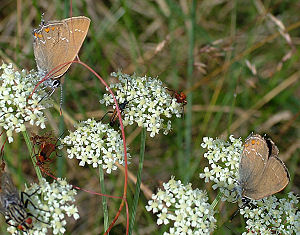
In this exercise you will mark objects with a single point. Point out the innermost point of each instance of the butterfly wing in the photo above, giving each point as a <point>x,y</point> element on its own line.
<point>252,163</point>
<point>50,46</point>
<point>58,42</point>
<point>275,176</point>
<point>78,28</point>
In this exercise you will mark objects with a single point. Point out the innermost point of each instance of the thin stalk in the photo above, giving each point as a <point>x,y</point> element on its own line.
<point>104,199</point>
<point>31,153</point>
<point>216,201</point>
<point>138,181</point>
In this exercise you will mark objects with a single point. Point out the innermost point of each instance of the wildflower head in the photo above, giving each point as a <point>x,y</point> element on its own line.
<point>96,144</point>
<point>15,108</point>
<point>187,209</point>
<point>147,102</point>
<point>223,158</point>
<point>271,215</point>
<point>52,203</point>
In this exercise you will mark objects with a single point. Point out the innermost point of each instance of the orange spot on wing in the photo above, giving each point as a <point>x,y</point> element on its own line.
<point>253,141</point>
<point>47,30</point>
<point>52,28</point>
<point>40,35</point>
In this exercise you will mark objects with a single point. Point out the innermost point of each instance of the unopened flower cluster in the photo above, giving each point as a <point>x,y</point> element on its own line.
<point>187,209</point>
<point>54,202</point>
<point>272,216</point>
<point>16,108</point>
<point>96,144</point>
<point>148,102</point>
<point>223,158</point>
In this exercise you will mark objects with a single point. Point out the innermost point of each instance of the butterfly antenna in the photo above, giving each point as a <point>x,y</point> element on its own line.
<point>61,99</point>
<point>42,19</point>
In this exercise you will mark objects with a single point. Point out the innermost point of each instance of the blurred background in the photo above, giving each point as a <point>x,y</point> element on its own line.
<point>237,62</point>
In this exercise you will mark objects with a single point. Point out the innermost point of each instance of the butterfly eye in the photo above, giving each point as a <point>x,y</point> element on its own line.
<point>56,83</point>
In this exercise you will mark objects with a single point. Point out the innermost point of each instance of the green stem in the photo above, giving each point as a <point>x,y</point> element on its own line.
<point>216,201</point>
<point>31,153</point>
<point>104,199</point>
<point>138,182</point>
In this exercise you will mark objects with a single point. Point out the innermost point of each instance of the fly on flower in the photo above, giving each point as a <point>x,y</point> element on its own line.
<point>14,207</point>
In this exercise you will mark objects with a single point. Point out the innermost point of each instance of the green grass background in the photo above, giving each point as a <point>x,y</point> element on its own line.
<point>200,47</point>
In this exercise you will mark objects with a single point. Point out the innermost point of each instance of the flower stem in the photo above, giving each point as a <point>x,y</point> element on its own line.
<point>216,201</point>
<point>138,181</point>
<point>104,199</point>
<point>31,153</point>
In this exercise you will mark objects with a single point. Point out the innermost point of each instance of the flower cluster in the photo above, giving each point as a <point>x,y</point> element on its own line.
<point>15,107</point>
<point>223,158</point>
<point>148,102</point>
<point>187,208</point>
<point>95,143</point>
<point>271,215</point>
<point>53,202</point>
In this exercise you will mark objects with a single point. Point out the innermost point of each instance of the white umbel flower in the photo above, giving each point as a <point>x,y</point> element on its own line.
<point>223,158</point>
<point>188,210</point>
<point>55,201</point>
<point>96,144</point>
<point>15,108</point>
<point>272,216</point>
<point>148,104</point>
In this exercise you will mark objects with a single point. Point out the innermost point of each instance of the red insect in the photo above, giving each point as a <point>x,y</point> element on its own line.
<point>180,97</point>
<point>47,145</point>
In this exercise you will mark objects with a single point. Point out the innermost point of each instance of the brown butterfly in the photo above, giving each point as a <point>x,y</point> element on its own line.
<point>58,42</point>
<point>261,172</point>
